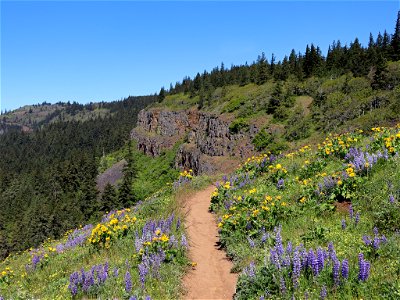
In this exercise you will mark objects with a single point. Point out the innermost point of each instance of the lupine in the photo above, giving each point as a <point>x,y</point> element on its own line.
<point>251,270</point>
<point>251,242</point>
<point>364,267</point>
<point>335,271</point>
<point>264,237</point>
<point>296,269</point>
<point>132,298</point>
<point>184,242</point>
<point>357,219</point>
<point>345,268</point>
<point>128,282</point>
<point>143,270</point>
<point>321,260</point>
<point>323,293</point>
<point>282,285</point>
<point>115,272</point>
<point>343,224</point>
<point>351,212</point>
<point>280,184</point>
<point>391,199</point>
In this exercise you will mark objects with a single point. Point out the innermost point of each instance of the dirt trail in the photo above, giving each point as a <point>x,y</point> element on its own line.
<point>211,278</point>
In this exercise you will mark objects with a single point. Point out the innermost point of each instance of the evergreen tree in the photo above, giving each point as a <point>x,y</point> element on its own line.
<point>161,95</point>
<point>109,199</point>
<point>262,69</point>
<point>396,40</point>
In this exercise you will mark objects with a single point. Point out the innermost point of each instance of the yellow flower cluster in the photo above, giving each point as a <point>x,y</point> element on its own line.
<point>276,168</point>
<point>256,159</point>
<point>104,233</point>
<point>187,174</point>
<point>215,193</point>
<point>7,271</point>
<point>337,143</point>
<point>350,171</point>
<point>298,152</point>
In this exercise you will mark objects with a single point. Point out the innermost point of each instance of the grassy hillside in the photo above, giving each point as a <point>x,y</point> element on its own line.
<point>321,222</point>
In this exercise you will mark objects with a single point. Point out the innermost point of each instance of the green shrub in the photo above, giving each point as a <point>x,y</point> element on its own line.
<point>238,125</point>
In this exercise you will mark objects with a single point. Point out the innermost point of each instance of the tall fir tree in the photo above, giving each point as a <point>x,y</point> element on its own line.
<point>396,40</point>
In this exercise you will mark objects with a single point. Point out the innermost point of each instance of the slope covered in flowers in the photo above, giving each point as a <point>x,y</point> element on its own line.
<point>134,253</point>
<point>318,223</point>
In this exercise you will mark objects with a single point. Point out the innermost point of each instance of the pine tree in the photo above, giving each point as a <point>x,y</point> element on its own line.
<point>161,95</point>
<point>396,40</point>
<point>262,69</point>
<point>109,200</point>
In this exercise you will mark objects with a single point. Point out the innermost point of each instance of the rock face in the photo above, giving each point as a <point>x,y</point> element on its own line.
<point>205,137</point>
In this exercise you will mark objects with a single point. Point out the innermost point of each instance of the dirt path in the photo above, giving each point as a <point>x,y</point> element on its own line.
<point>211,278</point>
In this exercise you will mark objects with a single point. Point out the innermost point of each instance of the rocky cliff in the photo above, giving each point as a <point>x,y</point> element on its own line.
<point>208,142</point>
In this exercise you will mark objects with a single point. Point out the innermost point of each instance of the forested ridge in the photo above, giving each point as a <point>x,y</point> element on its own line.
<point>47,177</point>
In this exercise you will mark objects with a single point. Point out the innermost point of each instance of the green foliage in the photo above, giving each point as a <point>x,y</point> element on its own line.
<point>238,125</point>
<point>262,140</point>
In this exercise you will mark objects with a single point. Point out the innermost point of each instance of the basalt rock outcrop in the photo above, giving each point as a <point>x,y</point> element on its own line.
<point>205,138</point>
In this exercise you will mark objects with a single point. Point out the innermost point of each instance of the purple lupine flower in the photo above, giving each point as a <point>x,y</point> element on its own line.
<point>282,285</point>
<point>331,250</point>
<point>343,224</point>
<point>173,242</point>
<point>178,224</point>
<point>275,258</point>
<point>315,265</point>
<point>383,238</point>
<point>261,298</point>
<point>73,283</point>
<point>251,242</point>
<point>280,184</point>
<point>128,282</point>
<point>132,298</point>
<point>375,230</point>
<point>345,268</point>
<point>391,199</point>
<point>35,261</point>
<point>289,248</point>
<point>89,280</point>
<point>367,240</point>
<point>143,270</point>
<point>357,219</point>
<point>251,270</point>
<point>115,272</point>
<point>278,241</point>
<point>147,298</point>
<point>321,259</point>
<point>323,293</point>
<point>184,242</point>
<point>351,212</point>
<point>335,271</point>
<point>296,269</point>
<point>364,268</point>
<point>264,237</point>
<point>376,242</point>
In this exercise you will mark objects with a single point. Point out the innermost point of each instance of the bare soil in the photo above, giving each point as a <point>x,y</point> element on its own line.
<point>211,278</point>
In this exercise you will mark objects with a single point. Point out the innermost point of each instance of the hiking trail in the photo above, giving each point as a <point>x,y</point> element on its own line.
<point>211,278</point>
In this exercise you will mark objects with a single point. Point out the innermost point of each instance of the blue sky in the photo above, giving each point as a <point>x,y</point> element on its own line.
<point>106,50</point>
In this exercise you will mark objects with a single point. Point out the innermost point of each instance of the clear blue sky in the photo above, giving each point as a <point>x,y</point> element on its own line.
<point>93,51</point>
